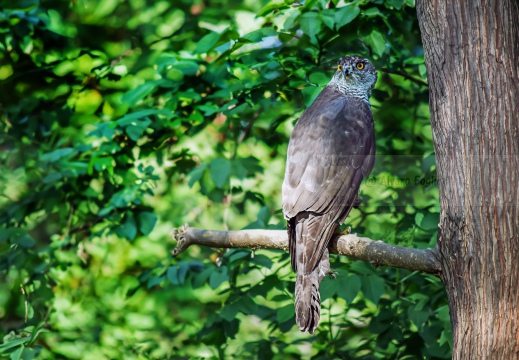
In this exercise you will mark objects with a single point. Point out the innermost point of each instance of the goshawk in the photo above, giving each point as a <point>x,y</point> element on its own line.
<point>332,148</point>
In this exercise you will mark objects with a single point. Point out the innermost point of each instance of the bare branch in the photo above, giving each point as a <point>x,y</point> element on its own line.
<point>376,252</point>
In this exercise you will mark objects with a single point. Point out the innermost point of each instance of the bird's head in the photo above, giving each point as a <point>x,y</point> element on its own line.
<point>355,76</point>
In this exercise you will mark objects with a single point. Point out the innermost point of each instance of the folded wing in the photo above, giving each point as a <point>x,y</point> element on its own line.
<point>330,151</point>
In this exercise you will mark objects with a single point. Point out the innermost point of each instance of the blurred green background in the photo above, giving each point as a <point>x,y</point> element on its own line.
<point>121,120</point>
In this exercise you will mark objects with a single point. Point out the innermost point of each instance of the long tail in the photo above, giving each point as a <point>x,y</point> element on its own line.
<point>308,300</point>
<point>308,240</point>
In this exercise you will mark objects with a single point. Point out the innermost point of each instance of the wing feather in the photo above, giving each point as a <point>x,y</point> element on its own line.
<point>331,149</point>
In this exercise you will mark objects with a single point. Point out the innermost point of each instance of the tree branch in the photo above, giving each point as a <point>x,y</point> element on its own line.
<point>407,76</point>
<point>376,252</point>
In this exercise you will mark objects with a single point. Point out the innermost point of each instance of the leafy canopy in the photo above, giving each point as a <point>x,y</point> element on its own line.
<point>123,119</point>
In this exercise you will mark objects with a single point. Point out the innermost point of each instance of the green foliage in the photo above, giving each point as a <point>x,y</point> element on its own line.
<point>120,120</point>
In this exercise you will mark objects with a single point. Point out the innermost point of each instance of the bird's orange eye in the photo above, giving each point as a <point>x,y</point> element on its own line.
<point>339,68</point>
<point>360,65</point>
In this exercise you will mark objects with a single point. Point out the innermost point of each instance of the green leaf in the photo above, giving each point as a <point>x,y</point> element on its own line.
<point>128,229</point>
<point>246,167</point>
<point>396,4</point>
<point>229,312</point>
<point>319,78</point>
<point>176,274</point>
<point>377,43</point>
<point>230,328</point>
<point>371,12</point>
<point>172,275</point>
<point>146,221</point>
<point>418,317</point>
<point>124,197</point>
<point>175,75</point>
<point>309,94</point>
<point>246,305</point>
<point>23,353</point>
<point>187,67</point>
<point>201,278</point>
<point>25,241</point>
<point>423,71</point>
<point>107,210</point>
<point>444,314</point>
<point>207,42</point>
<point>154,281</point>
<point>182,272</point>
<point>262,261</point>
<point>106,130</point>
<point>373,287</point>
<point>196,174</point>
<point>196,266</point>
<point>132,97</point>
<point>264,214</point>
<point>265,350</point>
<point>271,6</point>
<point>446,338</point>
<point>136,130</point>
<point>129,119</point>
<point>362,267</point>
<point>401,144</point>
<point>258,35</point>
<point>349,287</point>
<point>418,218</point>
<point>346,14</point>
<point>55,155</point>
<point>414,60</point>
<point>271,70</point>
<point>310,23</point>
<point>208,109</point>
<point>420,300</point>
<point>328,288</point>
<point>13,343</point>
<point>382,322</point>
<point>237,254</point>
<point>289,23</point>
<point>220,170</point>
<point>430,221</point>
<point>328,18</point>
<point>258,224</point>
<point>285,313</point>
<point>218,277</point>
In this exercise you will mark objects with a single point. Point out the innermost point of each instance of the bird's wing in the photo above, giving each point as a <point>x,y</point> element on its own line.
<point>331,149</point>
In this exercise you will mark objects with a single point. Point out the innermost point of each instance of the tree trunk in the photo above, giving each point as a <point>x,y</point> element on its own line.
<point>472,57</point>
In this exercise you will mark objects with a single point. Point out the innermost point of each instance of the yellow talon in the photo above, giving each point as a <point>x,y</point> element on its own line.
<point>346,231</point>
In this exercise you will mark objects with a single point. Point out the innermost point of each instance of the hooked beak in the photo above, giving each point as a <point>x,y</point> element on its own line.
<point>347,71</point>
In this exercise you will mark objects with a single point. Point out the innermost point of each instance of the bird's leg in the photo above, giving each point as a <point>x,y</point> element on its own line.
<point>324,267</point>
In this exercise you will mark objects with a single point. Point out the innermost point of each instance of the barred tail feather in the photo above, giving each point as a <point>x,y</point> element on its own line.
<point>308,300</point>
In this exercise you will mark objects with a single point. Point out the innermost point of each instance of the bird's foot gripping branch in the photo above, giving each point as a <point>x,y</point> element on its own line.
<point>376,252</point>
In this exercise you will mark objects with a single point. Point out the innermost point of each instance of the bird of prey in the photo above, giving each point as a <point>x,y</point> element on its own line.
<point>331,149</point>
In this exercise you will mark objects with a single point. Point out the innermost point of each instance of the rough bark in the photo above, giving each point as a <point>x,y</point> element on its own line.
<point>376,252</point>
<point>472,57</point>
